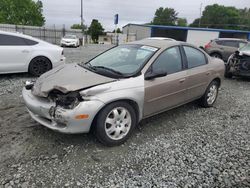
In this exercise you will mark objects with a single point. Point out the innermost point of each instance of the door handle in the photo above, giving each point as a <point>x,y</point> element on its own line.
<point>25,51</point>
<point>182,80</point>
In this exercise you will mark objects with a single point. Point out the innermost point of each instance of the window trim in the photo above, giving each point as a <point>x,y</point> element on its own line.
<point>182,60</point>
<point>206,58</point>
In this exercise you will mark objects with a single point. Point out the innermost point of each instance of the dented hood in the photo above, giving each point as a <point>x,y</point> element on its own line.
<point>66,78</point>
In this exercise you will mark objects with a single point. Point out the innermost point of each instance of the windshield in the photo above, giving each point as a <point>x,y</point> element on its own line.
<point>70,37</point>
<point>246,47</point>
<point>124,60</point>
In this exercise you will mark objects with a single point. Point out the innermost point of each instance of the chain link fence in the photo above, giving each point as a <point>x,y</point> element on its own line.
<point>51,35</point>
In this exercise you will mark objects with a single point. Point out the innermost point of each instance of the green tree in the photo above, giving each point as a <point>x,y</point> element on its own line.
<point>219,16</point>
<point>165,16</point>
<point>117,31</point>
<point>182,22</point>
<point>222,17</point>
<point>195,23</point>
<point>21,12</point>
<point>95,29</point>
<point>78,26</point>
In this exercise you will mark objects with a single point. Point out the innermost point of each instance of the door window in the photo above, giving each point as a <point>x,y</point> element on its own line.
<point>195,57</point>
<point>9,40</point>
<point>169,61</point>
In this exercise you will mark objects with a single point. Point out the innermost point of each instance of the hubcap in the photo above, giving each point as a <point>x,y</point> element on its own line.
<point>212,94</point>
<point>118,123</point>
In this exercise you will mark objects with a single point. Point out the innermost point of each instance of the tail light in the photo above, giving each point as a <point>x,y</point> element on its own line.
<point>208,45</point>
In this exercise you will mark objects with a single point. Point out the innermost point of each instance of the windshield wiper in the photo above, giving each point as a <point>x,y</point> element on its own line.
<point>108,69</point>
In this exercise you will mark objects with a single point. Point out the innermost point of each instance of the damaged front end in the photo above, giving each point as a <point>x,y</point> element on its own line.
<point>238,65</point>
<point>69,112</point>
<point>67,101</point>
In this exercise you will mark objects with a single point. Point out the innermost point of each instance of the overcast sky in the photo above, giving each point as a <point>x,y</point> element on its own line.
<point>67,12</point>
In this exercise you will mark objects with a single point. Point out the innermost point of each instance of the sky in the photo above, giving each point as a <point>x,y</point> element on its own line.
<point>67,12</point>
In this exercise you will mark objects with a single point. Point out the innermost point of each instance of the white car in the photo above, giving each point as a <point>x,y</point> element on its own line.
<point>70,40</point>
<point>23,53</point>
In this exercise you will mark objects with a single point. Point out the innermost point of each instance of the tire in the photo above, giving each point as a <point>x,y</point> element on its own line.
<point>227,74</point>
<point>39,65</point>
<point>210,96</point>
<point>112,127</point>
<point>216,55</point>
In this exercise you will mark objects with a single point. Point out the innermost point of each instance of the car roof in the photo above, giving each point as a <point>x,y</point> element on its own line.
<point>236,39</point>
<point>18,35</point>
<point>158,43</point>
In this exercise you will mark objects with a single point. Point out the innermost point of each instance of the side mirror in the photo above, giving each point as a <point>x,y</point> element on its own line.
<point>155,74</point>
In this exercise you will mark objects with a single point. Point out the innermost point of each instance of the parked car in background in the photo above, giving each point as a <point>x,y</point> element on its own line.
<point>70,41</point>
<point>224,47</point>
<point>238,63</point>
<point>23,53</point>
<point>117,89</point>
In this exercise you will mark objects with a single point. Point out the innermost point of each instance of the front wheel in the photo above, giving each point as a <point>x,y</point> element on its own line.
<point>227,73</point>
<point>115,123</point>
<point>211,94</point>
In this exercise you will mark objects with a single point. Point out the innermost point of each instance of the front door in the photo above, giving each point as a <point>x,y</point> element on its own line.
<point>166,92</point>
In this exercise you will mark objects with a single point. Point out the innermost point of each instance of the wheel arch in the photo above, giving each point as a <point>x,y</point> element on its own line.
<point>131,102</point>
<point>38,57</point>
<point>218,80</point>
<point>216,52</point>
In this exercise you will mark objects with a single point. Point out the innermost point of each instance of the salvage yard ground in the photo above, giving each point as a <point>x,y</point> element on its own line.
<point>185,147</point>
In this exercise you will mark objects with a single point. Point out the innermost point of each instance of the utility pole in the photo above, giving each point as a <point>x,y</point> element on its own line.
<point>82,26</point>
<point>81,15</point>
<point>200,15</point>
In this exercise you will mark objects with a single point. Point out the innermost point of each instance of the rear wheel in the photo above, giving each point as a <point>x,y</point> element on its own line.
<point>216,55</point>
<point>115,123</point>
<point>39,65</point>
<point>210,96</point>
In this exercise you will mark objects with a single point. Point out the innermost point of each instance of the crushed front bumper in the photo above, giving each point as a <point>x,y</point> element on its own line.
<point>59,119</point>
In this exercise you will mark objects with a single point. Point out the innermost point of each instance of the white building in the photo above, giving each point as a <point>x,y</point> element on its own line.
<point>196,36</point>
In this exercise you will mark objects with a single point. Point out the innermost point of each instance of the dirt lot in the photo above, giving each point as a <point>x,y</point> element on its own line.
<point>185,147</point>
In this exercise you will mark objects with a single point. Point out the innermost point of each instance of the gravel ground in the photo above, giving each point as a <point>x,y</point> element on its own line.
<point>185,147</point>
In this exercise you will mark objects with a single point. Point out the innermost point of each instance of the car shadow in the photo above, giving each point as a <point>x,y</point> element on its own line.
<point>16,75</point>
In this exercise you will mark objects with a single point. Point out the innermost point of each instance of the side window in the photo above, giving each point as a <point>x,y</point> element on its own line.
<point>195,57</point>
<point>9,40</point>
<point>219,42</point>
<point>231,43</point>
<point>30,42</point>
<point>170,60</point>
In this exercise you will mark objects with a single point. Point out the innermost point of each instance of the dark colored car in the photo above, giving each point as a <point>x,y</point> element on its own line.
<point>238,63</point>
<point>224,47</point>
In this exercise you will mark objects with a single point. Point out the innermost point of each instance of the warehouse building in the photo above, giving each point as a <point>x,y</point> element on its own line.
<point>196,36</point>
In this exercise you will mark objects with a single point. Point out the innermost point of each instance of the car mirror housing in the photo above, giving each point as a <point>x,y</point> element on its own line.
<point>155,74</point>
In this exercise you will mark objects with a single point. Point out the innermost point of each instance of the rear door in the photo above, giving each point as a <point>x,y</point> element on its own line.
<point>230,47</point>
<point>198,72</point>
<point>168,91</point>
<point>14,53</point>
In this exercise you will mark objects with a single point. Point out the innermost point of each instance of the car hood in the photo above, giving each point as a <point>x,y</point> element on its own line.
<point>244,53</point>
<point>66,78</point>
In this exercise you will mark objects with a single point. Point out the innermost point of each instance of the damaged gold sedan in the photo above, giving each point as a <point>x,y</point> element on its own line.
<point>114,91</point>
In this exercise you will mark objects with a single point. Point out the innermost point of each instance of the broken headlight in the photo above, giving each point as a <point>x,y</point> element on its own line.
<point>67,101</point>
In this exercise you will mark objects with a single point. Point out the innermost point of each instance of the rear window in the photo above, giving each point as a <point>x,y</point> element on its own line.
<point>9,40</point>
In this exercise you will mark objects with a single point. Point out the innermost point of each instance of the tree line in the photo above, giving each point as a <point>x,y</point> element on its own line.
<point>213,16</point>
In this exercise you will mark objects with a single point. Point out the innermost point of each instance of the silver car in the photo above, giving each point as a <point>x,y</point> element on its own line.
<point>114,91</point>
